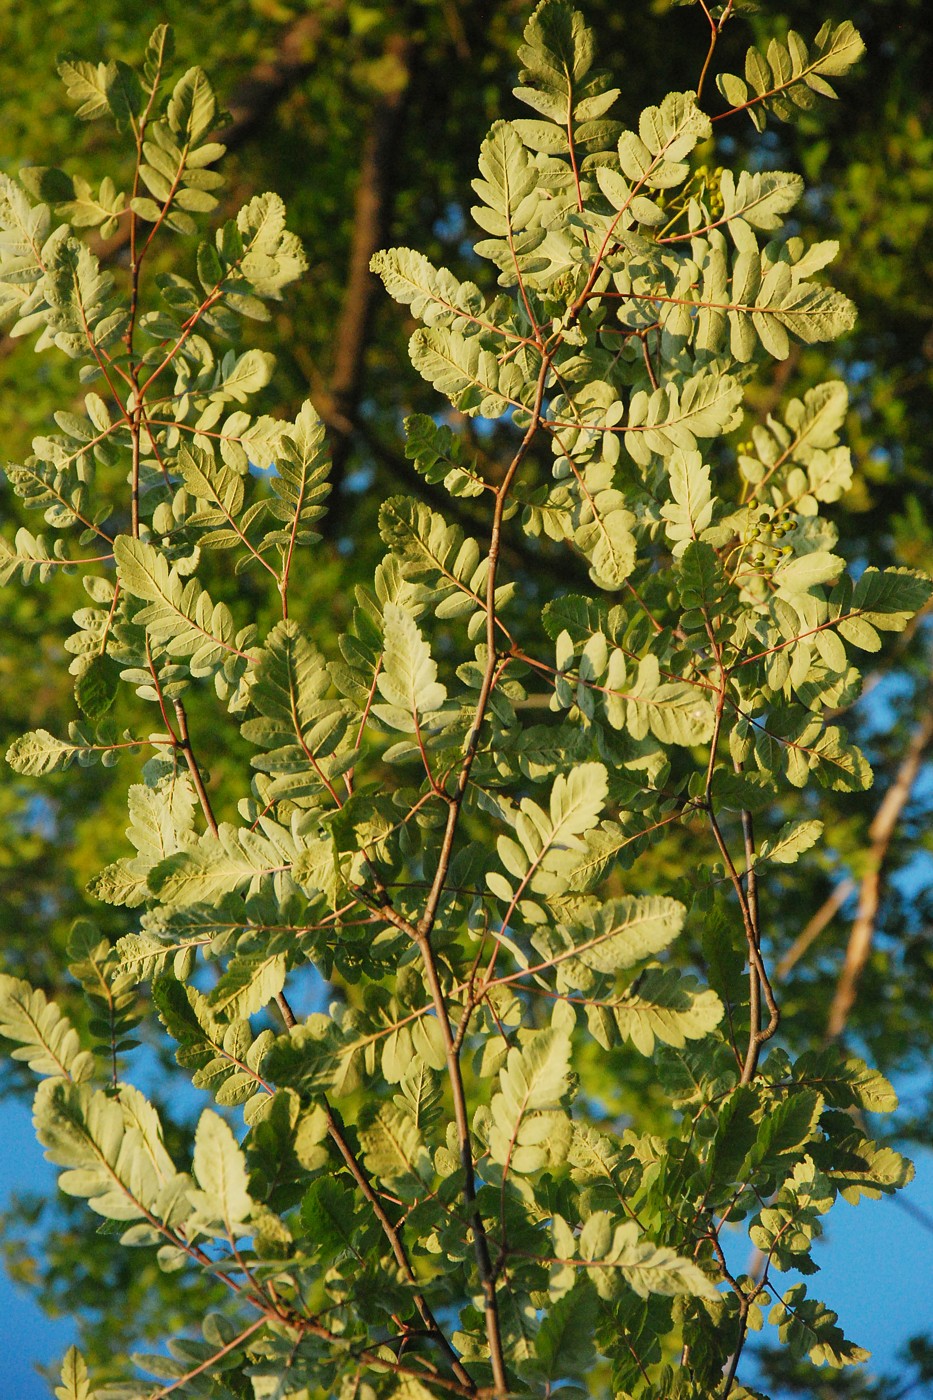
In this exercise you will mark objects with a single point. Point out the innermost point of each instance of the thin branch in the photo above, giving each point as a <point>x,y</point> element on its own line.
<point>747,894</point>
<point>751,895</point>
<point>288,1015</point>
<point>880,834</point>
<point>391,1232</point>
<point>372,215</point>
<point>216,1356</point>
<point>495,542</point>
<point>729,1378</point>
<point>184,743</point>
<point>814,927</point>
<point>758,981</point>
<point>758,984</point>
<point>713,37</point>
<point>426,923</point>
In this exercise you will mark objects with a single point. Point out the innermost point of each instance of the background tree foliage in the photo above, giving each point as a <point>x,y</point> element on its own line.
<point>413,89</point>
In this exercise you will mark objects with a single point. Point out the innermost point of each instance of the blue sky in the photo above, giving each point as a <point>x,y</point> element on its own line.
<point>27,1335</point>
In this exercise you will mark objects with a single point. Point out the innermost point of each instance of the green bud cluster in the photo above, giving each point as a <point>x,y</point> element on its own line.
<point>709,179</point>
<point>766,528</point>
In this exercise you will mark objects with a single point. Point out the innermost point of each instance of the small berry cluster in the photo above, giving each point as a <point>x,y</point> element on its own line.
<point>708,178</point>
<point>766,528</point>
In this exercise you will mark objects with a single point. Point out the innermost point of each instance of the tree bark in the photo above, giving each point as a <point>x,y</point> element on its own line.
<point>372,216</point>
<point>880,834</point>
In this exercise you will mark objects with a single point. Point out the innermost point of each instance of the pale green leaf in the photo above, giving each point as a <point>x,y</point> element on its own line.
<point>805,571</point>
<point>220,1171</point>
<point>666,1007</point>
<point>247,984</point>
<point>192,108</point>
<point>809,1328</point>
<point>793,839</point>
<point>44,1037</point>
<point>408,679</point>
<point>119,1166</point>
<point>394,1151</point>
<point>623,932</point>
<point>690,511</point>
<point>529,1129</point>
<point>75,1384</point>
<point>647,1267</point>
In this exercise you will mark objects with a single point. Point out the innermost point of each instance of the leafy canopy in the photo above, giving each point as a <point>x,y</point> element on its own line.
<point>449,810</point>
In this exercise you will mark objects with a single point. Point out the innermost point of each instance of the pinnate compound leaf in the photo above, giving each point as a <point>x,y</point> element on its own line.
<point>75,1383</point>
<point>86,84</point>
<point>180,614</point>
<point>786,1228</point>
<point>676,712</point>
<point>784,1129</point>
<point>408,680</point>
<point>271,256</point>
<point>30,555</point>
<point>761,198</point>
<point>889,598</point>
<point>192,108</point>
<point>789,845</point>
<point>461,368</point>
<point>162,822</point>
<point>674,128</point>
<point>220,1171</point>
<point>577,798</point>
<point>434,294</point>
<point>860,1167</point>
<point>557,57</point>
<point>838,764</point>
<point>791,76</point>
<point>221,864</point>
<point>43,1035</point>
<point>300,722</point>
<point>248,983</point>
<point>666,134</point>
<point>672,416</point>
<point>440,456</point>
<point>625,931</point>
<point>221,1055</point>
<point>607,541</point>
<point>529,1127</point>
<point>300,485</point>
<point>667,1007</point>
<point>549,843</point>
<point>690,511</point>
<point>509,184</point>
<point>111,1147</point>
<point>395,1153</point>
<point>447,568</point>
<point>805,571</point>
<point>40,752</point>
<point>650,1268</point>
<point>625,1254</point>
<point>845,1083</point>
<point>809,1328</point>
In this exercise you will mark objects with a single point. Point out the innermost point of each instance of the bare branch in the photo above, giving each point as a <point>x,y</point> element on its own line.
<point>880,834</point>
<point>811,932</point>
<point>373,207</point>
